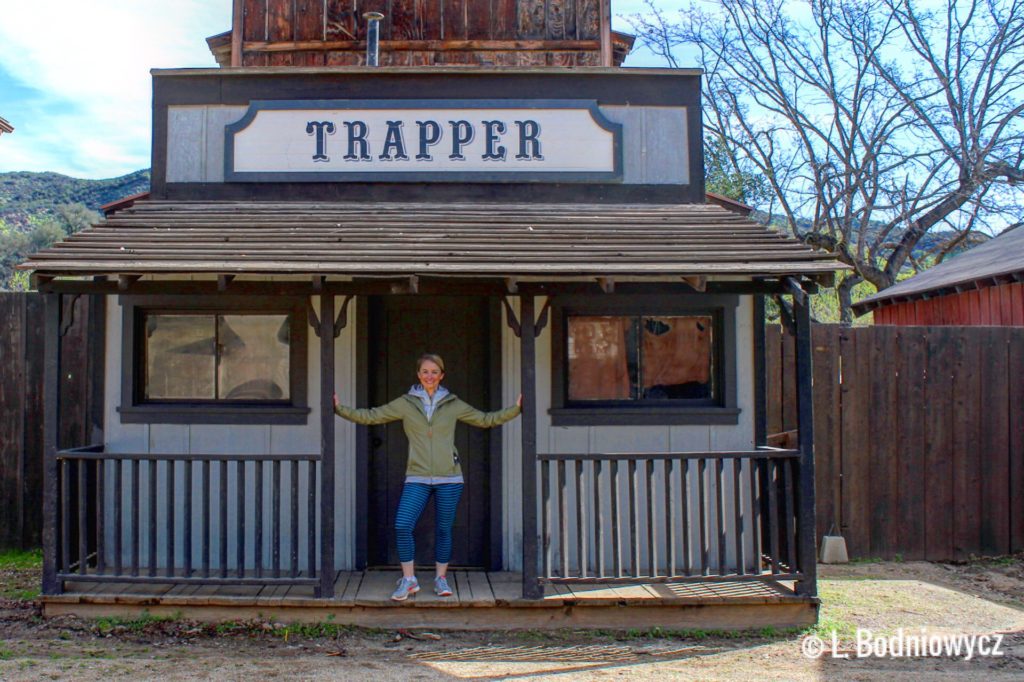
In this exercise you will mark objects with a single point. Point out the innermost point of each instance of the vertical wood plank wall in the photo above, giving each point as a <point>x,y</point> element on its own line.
<point>21,409</point>
<point>1001,305</point>
<point>919,436</point>
<point>460,24</point>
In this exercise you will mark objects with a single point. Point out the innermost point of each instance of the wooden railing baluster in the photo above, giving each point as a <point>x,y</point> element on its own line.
<point>545,514</point>
<point>151,479</point>
<point>702,508</point>
<point>275,482</point>
<point>311,518</point>
<point>204,514</point>
<point>581,522</point>
<point>789,513</point>
<point>616,535</point>
<point>101,541</point>
<point>755,515</point>
<point>598,520</point>
<point>171,472</point>
<point>222,517</point>
<point>634,497</point>
<point>563,530</point>
<point>773,515</point>
<point>720,514</point>
<point>258,539</point>
<point>685,499</point>
<point>83,516</point>
<point>240,539</point>
<point>738,524</point>
<point>293,476</point>
<point>652,552</point>
<point>135,504</point>
<point>670,531</point>
<point>186,538</point>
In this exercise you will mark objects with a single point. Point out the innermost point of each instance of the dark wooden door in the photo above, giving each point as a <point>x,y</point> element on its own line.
<point>401,328</point>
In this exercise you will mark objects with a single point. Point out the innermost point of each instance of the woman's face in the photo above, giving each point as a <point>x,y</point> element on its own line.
<point>430,375</point>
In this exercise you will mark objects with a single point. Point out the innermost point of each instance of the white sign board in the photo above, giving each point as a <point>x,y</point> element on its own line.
<point>423,141</point>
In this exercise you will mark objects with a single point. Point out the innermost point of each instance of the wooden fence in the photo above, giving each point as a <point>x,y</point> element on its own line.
<point>918,433</point>
<point>21,407</point>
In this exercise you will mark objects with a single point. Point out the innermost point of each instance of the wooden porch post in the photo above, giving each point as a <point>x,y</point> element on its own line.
<point>528,362</point>
<point>807,556</point>
<point>51,439</point>
<point>326,587</point>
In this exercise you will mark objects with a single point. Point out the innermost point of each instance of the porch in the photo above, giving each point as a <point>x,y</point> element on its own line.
<point>481,600</point>
<point>188,508</point>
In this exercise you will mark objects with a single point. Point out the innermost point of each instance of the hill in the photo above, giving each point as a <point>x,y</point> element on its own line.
<point>27,197</point>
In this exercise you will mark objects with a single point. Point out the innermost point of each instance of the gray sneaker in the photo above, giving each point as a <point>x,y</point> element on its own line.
<point>406,586</point>
<point>441,588</point>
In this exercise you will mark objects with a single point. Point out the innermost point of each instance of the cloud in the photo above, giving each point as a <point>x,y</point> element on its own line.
<point>78,90</point>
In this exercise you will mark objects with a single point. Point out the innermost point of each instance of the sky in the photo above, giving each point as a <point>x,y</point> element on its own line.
<point>78,90</point>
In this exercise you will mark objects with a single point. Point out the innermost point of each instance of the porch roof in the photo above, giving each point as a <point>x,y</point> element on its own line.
<point>470,239</point>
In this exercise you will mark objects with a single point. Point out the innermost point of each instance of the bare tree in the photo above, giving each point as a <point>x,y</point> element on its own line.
<point>873,122</point>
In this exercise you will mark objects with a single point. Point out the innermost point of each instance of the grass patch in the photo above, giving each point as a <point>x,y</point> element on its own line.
<point>21,560</point>
<point>6,654</point>
<point>107,625</point>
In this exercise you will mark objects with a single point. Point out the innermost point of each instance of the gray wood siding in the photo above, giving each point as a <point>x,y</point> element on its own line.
<point>165,438</point>
<point>260,439</point>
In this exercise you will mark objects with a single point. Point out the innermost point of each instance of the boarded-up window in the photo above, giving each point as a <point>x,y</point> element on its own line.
<point>217,357</point>
<point>640,357</point>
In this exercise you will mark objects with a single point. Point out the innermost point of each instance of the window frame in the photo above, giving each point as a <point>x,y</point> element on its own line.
<point>724,410</point>
<point>134,409</point>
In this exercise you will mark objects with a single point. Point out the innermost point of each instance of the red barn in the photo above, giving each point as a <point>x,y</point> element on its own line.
<point>984,286</point>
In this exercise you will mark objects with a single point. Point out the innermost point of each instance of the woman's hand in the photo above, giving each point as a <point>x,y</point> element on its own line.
<point>519,401</point>
<point>336,401</point>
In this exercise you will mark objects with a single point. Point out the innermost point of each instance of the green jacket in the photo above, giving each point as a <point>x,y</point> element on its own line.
<point>431,443</point>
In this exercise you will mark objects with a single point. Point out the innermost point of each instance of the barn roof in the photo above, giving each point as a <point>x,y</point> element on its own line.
<point>442,239</point>
<point>1001,258</point>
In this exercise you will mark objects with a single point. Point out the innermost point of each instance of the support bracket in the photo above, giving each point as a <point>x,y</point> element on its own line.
<point>342,320</point>
<point>542,319</point>
<point>314,319</point>
<point>510,318</point>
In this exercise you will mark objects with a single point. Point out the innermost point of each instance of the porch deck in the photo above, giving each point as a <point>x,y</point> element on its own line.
<point>481,600</point>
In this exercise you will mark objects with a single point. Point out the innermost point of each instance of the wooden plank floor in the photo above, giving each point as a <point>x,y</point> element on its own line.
<point>485,600</point>
<point>478,589</point>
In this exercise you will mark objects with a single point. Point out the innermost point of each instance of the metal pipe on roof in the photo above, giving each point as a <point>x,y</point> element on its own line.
<point>373,37</point>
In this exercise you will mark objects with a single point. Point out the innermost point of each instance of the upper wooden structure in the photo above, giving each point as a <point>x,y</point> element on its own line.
<point>474,32</point>
<point>984,286</point>
<point>5,127</point>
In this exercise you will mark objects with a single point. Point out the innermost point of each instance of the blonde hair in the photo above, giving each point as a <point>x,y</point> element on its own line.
<point>430,357</point>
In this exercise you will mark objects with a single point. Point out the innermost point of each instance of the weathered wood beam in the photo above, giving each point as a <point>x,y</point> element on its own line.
<point>318,283</point>
<point>410,285</point>
<point>327,425</point>
<point>805,497</point>
<point>797,291</point>
<point>532,588</point>
<point>826,279</point>
<point>51,438</point>
<point>237,15</point>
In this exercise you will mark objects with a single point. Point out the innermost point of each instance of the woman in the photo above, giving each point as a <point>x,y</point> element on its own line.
<point>429,414</point>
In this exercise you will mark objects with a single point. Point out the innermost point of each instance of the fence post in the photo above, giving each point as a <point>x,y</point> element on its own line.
<point>51,437</point>
<point>807,554</point>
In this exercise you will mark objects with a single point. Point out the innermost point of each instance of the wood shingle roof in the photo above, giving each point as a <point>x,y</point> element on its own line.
<point>561,240</point>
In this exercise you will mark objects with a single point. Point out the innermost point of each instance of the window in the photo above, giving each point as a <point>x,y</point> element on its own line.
<point>222,360</point>
<point>642,360</point>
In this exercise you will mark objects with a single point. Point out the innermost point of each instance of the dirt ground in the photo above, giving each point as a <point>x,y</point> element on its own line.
<point>977,598</point>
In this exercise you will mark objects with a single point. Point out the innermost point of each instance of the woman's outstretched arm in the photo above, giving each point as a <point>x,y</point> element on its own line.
<point>486,420</point>
<point>373,415</point>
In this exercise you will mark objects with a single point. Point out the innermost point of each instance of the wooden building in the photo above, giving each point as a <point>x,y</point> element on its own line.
<point>5,127</point>
<point>982,286</point>
<point>313,229</point>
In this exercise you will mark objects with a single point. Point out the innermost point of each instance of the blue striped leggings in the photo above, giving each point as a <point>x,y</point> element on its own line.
<point>414,500</point>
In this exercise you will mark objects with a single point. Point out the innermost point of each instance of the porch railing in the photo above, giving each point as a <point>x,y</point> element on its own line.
<point>186,518</point>
<point>671,517</point>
